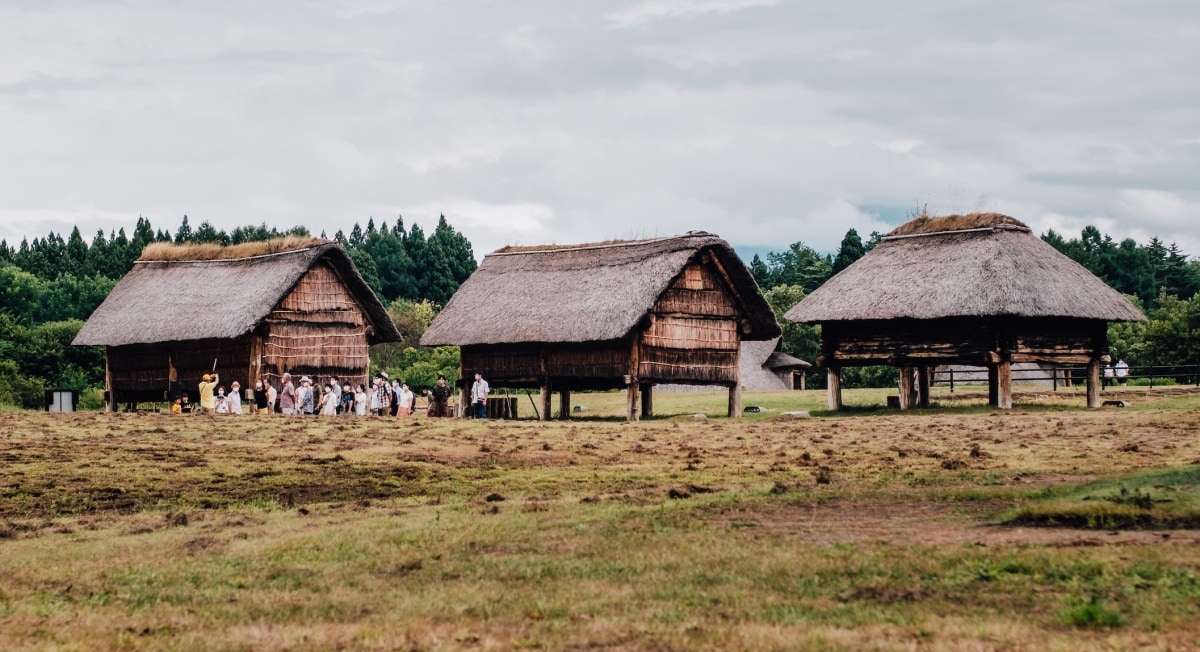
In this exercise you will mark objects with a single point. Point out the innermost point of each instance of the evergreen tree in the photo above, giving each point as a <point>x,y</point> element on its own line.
<point>184,234</point>
<point>75,261</point>
<point>762,275</point>
<point>356,236</point>
<point>209,233</point>
<point>850,250</point>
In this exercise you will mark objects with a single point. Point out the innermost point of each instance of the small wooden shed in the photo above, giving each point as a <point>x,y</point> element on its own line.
<point>296,305</point>
<point>611,315</point>
<point>976,289</point>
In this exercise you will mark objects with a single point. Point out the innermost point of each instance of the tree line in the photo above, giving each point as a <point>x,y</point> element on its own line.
<point>52,284</point>
<point>1159,278</point>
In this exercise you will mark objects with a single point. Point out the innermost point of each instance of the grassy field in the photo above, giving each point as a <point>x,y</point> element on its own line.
<point>869,530</point>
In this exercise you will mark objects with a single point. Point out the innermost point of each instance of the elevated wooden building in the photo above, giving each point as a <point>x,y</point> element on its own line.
<point>607,316</point>
<point>262,309</point>
<point>976,289</point>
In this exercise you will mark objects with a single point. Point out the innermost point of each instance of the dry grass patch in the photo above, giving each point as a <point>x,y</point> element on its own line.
<point>144,532</point>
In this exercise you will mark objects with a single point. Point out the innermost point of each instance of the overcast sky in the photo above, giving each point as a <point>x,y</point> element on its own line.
<point>766,122</point>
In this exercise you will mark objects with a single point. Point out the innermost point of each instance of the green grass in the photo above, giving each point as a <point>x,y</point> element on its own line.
<point>1165,498</point>
<point>157,531</point>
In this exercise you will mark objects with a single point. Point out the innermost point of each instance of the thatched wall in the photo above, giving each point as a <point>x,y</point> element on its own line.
<point>593,365</point>
<point>962,340</point>
<point>693,335</point>
<point>158,371</point>
<point>316,330</point>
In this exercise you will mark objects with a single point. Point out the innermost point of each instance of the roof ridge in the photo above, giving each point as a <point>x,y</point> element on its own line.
<point>603,245</point>
<point>230,260</point>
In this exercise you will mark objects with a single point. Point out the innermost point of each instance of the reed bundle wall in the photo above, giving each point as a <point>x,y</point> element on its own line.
<point>693,335</point>
<point>979,341</point>
<point>154,372</point>
<point>316,330</point>
<point>139,368</point>
<point>592,365</point>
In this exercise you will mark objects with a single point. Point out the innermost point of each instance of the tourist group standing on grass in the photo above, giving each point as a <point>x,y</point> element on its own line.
<point>385,398</point>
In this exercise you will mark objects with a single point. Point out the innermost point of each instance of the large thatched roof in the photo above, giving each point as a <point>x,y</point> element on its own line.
<point>180,294</point>
<point>980,265</point>
<point>583,293</point>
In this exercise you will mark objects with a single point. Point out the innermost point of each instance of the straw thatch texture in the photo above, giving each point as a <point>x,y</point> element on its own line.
<point>760,368</point>
<point>963,266</point>
<point>587,293</point>
<point>173,299</point>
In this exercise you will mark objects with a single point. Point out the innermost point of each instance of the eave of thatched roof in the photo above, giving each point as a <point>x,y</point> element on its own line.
<point>983,265</point>
<point>171,299</point>
<point>583,293</point>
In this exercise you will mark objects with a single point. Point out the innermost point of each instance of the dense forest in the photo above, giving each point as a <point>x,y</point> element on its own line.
<point>1159,278</point>
<point>51,285</point>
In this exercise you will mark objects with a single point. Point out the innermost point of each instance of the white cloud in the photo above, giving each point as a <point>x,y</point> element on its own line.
<point>767,123</point>
<point>1160,209</point>
<point>645,12</point>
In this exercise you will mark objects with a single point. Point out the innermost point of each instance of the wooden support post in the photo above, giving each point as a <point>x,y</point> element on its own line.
<point>993,386</point>
<point>564,404</point>
<point>906,388</point>
<point>1093,384</point>
<point>924,374</point>
<point>735,401</point>
<point>111,404</point>
<point>544,401</point>
<point>803,374</point>
<point>631,394</point>
<point>834,389</point>
<point>464,403</point>
<point>647,400</point>
<point>1004,385</point>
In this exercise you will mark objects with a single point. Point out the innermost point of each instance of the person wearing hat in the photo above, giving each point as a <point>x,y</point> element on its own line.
<point>305,401</point>
<point>234,398</point>
<point>208,383</point>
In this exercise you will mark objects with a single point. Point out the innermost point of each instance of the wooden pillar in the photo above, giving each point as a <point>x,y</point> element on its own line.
<point>735,401</point>
<point>803,374</point>
<point>544,400</point>
<point>111,404</point>
<point>906,388</point>
<point>631,395</point>
<point>1004,385</point>
<point>993,386</point>
<point>834,391</point>
<point>564,404</point>
<point>924,374</point>
<point>1093,383</point>
<point>647,400</point>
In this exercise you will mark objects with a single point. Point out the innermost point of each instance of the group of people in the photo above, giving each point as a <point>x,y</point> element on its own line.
<point>1120,371</point>
<point>387,397</point>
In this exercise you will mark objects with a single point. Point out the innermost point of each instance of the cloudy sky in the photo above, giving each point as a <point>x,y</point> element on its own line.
<point>765,121</point>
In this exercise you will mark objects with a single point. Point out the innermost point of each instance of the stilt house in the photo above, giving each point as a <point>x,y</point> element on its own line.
<point>607,316</point>
<point>976,289</point>
<point>296,305</point>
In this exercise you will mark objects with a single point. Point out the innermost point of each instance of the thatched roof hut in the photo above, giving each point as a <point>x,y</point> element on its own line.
<point>296,305</point>
<point>975,289</point>
<point>607,315</point>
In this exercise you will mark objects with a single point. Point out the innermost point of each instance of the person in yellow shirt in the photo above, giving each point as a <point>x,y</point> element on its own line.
<point>207,384</point>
